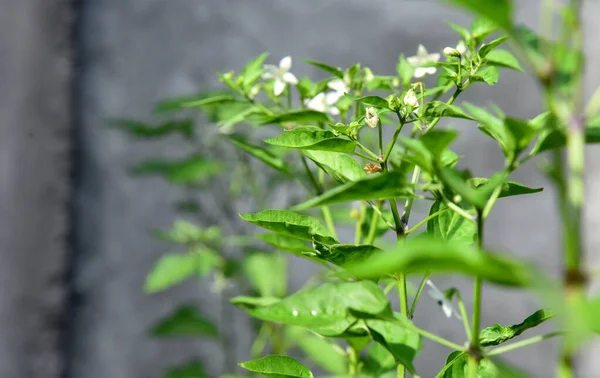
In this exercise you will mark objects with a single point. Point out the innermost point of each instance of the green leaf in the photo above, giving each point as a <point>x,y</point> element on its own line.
<point>481,28</point>
<point>488,75</point>
<point>522,133</point>
<point>192,170</point>
<point>197,101</point>
<point>313,138</point>
<point>379,360</point>
<point>322,352</point>
<point>342,254</point>
<point>291,224</point>
<point>456,365</point>
<point>477,197</point>
<point>555,138</point>
<point>299,116</point>
<point>267,273</point>
<point>184,232</point>
<point>509,188</point>
<point>171,269</point>
<point>276,366</point>
<point>376,101</point>
<point>285,243</point>
<point>253,70</point>
<point>405,70</point>
<point>332,70</point>
<point>438,141</point>
<point>498,334</point>
<point>250,303</point>
<point>493,127</point>
<point>398,337</point>
<point>325,309</point>
<point>498,11</point>
<point>192,369</point>
<point>373,187</point>
<point>486,48</point>
<point>185,322</point>
<point>263,155</point>
<point>339,166</point>
<point>437,109</point>
<point>144,130</point>
<point>464,33</point>
<point>503,58</point>
<point>426,254</point>
<point>450,225</point>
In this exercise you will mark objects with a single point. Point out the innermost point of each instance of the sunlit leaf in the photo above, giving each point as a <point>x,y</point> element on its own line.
<point>278,367</point>
<point>503,58</point>
<point>450,225</point>
<point>312,138</point>
<point>498,334</point>
<point>339,166</point>
<point>440,109</point>
<point>299,116</point>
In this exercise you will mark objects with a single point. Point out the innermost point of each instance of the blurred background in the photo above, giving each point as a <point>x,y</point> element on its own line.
<point>75,245</point>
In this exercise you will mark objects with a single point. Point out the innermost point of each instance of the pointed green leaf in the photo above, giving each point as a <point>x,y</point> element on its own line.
<point>450,225</point>
<point>250,303</point>
<point>488,75</point>
<point>426,254</point>
<point>171,269</point>
<point>498,334</point>
<point>253,70</point>
<point>299,116</point>
<point>185,322</point>
<point>273,284</point>
<point>144,130</point>
<point>498,11</point>
<point>192,369</point>
<point>555,138</point>
<point>376,101</point>
<point>313,138</point>
<point>521,132</point>
<point>192,170</point>
<point>477,197</point>
<point>216,100</point>
<point>464,33</point>
<point>493,127</point>
<point>481,28</point>
<point>184,232</point>
<point>276,366</point>
<point>487,47</point>
<point>263,155</point>
<point>503,58</point>
<point>291,224</point>
<point>373,187</point>
<point>321,351</point>
<point>509,188</point>
<point>197,101</point>
<point>379,360</point>
<point>342,254</point>
<point>438,141</point>
<point>339,166</point>
<point>325,309</point>
<point>437,109</point>
<point>398,337</point>
<point>327,68</point>
<point>285,243</point>
<point>456,367</point>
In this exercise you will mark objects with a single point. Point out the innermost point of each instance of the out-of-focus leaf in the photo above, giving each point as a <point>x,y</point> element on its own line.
<point>192,170</point>
<point>263,155</point>
<point>144,130</point>
<point>185,322</point>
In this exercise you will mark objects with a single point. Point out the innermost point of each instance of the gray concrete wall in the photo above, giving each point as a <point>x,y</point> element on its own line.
<point>35,126</point>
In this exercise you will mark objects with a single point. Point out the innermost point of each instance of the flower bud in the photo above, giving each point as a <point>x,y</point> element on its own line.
<point>449,51</point>
<point>394,102</point>
<point>410,99</point>
<point>371,117</point>
<point>461,48</point>
<point>368,75</point>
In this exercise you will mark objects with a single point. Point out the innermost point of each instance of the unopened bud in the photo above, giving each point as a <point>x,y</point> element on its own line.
<point>410,99</point>
<point>461,48</point>
<point>457,198</point>
<point>394,102</point>
<point>368,75</point>
<point>371,117</point>
<point>449,51</point>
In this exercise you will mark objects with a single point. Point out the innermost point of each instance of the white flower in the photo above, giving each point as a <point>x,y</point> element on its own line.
<point>422,58</point>
<point>324,103</point>
<point>281,74</point>
<point>371,117</point>
<point>339,87</point>
<point>441,299</point>
<point>410,99</point>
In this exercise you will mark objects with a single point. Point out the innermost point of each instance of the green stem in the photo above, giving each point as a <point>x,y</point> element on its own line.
<point>413,308</point>
<point>325,209</point>
<point>475,347</point>
<point>438,339</point>
<point>373,225</point>
<point>430,217</point>
<point>353,363</point>
<point>522,343</point>
<point>402,294</point>
<point>442,372</point>
<point>310,175</point>
<point>380,129</point>
<point>359,223</point>
<point>258,346</point>
<point>367,151</point>
<point>390,146</point>
<point>464,315</point>
<point>366,157</point>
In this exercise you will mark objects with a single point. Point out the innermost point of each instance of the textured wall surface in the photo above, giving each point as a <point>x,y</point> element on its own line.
<point>138,51</point>
<point>34,184</point>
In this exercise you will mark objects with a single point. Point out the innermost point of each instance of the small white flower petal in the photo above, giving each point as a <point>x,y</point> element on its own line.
<point>334,111</point>
<point>268,75</point>
<point>338,85</point>
<point>430,70</point>
<point>279,87</point>
<point>433,58</point>
<point>332,97</point>
<point>447,309</point>
<point>461,48</point>
<point>317,103</point>
<point>422,52</point>
<point>413,60</point>
<point>290,78</point>
<point>371,117</point>
<point>285,64</point>
<point>420,72</point>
